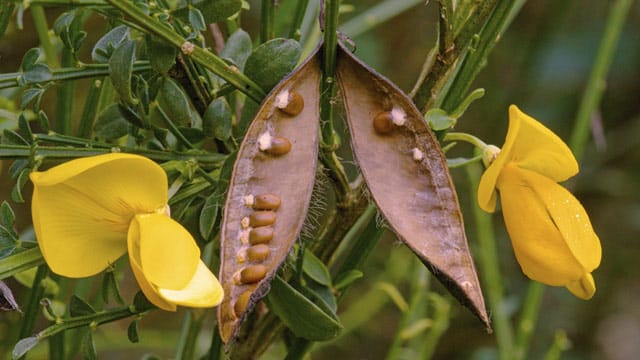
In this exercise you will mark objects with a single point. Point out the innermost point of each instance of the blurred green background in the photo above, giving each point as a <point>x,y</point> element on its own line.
<point>541,64</point>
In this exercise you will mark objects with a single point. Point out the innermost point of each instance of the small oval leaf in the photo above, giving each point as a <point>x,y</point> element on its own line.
<point>110,123</point>
<point>23,346</point>
<point>121,68</point>
<point>174,102</point>
<point>238,48</point>
<point>217,120</point>
<point>316,269</point>
<point>104,47</point>
<point>271,61</point>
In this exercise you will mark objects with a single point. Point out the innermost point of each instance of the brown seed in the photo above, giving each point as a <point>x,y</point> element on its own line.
<point>262,218</point>
<point>266,202</point>
<point>260,235</point>
<point>383,123</point>
<point>252,274</point>
<point>258,252</point>
<point>294,104</point>
<point>241,304</point>
<point>279,146</point>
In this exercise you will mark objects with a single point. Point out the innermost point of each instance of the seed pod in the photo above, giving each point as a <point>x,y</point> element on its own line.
<point>408,178</point>
<point>289,177</point>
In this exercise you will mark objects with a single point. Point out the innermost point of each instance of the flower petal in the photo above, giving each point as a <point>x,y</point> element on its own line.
<point>169,255</point>
<point>81,209</point>
<point>535,147</point>
<point>134,259</point>
<point>203,290</point>
<point>584,288</point>
<point>539,247</point>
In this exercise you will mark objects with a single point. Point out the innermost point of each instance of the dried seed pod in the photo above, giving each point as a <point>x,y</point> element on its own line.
<point>266,202</point>
<point>408,178</point>
<point>257,171</point>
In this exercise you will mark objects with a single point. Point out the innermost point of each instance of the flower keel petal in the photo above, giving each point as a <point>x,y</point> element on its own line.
<point>203,290</point>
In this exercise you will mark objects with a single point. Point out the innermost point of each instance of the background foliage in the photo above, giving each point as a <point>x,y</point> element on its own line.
<point>542,64</point>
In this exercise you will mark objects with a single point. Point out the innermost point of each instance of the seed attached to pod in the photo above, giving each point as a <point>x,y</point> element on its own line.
<point>241,304</point>
<point>417,154</point>
<point>383,123</point>
<point>258,252</point>
<point>262,218</point>
<point>289,102</point>
<point>251,274</point>
<point>260,235</point>
<point>273,145</point>
<point>266,202</point>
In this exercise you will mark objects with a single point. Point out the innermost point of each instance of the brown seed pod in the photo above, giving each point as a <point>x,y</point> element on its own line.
<point>288,176</point>
<point>408,178</point>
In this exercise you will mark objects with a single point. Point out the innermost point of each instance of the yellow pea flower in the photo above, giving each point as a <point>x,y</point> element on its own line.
<point>551,234</point>
<point>89,212</point>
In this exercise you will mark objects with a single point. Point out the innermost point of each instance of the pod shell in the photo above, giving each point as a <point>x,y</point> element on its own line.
<point>417,197</point>
<point>289,176</point>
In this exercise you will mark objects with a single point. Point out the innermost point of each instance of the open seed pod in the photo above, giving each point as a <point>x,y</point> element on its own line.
<point>269,193</point>
<point>407,175</point>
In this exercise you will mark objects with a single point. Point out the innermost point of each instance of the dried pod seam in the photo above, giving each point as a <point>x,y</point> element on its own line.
<point>408,178</point>
<point>278,158</point>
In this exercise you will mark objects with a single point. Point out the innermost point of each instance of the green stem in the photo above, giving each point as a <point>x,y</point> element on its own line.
<point>92,319</point>
<point>328,90</point>
<point>376,15</point>
<point>173,129</point>
<point>64,152</point>
<point>189,334</point>
<point>90,110</point>
<point>33,305</point>
<point>19,262</point>
<point>458,136</point>
<point>6,12</point>
<point>597,78</point>
<point>42,29</point>
<point>528,319</point>
<point>267,18</point>
<point>474,60</point>
<point>442,68</point>
<point>204,57</point>
<point>301,8</point>
<point>65,98</point>
<point>10,80</point>
<point>490,270</point>
<point>440,324</point>
<point>68,2</point>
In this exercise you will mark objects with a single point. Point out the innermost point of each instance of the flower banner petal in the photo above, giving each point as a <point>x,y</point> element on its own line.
<point>203,290</point>
<point>537,148</point>
<point>538,245</point>
<point>169,255</point>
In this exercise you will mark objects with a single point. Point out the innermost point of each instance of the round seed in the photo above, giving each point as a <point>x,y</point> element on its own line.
<point>279,146</point>
<point>258,252</point>
<point>266,202</point>
<point>252,274</point>
<point>295,104</point>
<point>262,218</point>
<point>383,122</point>
<point>260,235</point>
<point>241,304</point>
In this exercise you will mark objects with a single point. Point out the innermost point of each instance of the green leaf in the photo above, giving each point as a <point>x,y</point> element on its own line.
<point>121,68</point>
<point>303,317</point>
<point>141,303</point>
<point>16,193</point>
<point>23,346</point>
<point>316,269</point>
<point>30,58</point>
<point>36,74</point>
<point>238,48</point>
<point>438,119</point>
<point>43,121</point>
<point>104,48</point>
<point>217,120</point>
<point>7,241</point>
<point>110,123</point>
<point>30,95</point>
<point>88,346</point>
<point>209,214</point>
<point>13,138</point>
<point>323,295</point>
<point>25,128</point>
<point>7,216</point>
<point>271,61</point>
<point>79,307</point>
<point>162,55</point>
<point>213,10</point>
<point>132,331</point>
<point>110,288</point>
<point>196,19</point>
<point>174,102</point>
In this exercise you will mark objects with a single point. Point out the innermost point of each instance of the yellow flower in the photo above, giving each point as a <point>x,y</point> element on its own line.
<point>550,231</point>
<point>89,212</point>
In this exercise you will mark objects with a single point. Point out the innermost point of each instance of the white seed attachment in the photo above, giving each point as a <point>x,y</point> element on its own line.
<point>248,200</point>
<point>290,102</point>
<point>187,47</point>
<point>245,222</point>
<point>398,116</point>
<point>417,154</point>
<point>264,141</point>
<point>244,236</point>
